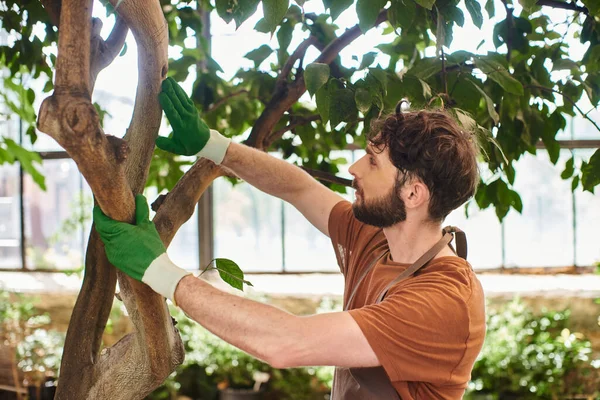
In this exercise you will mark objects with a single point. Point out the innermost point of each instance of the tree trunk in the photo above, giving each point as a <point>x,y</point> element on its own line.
<point>115,169</point>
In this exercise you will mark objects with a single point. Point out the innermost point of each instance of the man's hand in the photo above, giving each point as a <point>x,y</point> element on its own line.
<point>191,135</point>
<point>138,250</point>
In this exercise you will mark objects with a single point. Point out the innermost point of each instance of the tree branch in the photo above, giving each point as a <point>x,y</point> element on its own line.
<point>563,5</point>
<point>569,99</point>
<point>328,177</point>
<point>104,52</point>
<point>289,94</point>
<point>178,205</point>
<point>53,9</point>
<point>297,54</point>
<point>297,122</point>
<point>444,72</point>
<point>72,69</point>
<point>225,99</point>
<point>510,22</point>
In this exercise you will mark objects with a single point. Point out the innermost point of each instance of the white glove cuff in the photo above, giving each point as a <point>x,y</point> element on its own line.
<point>216,147</point>
<point>163,276</point>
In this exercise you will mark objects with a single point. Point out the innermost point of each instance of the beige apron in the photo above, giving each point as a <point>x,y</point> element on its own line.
<point>373,383</point>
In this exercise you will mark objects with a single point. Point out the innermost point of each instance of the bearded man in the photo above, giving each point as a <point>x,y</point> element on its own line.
<point>414,317</point>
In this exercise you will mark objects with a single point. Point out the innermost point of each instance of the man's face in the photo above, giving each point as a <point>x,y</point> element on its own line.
<point>378,200</point>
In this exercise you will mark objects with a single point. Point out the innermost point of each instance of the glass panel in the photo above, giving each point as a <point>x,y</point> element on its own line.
<point>583,128</point>
<point>306,248</point>
<point>54,219</point>
<point>43,142</point>
<point>484,235</point>
<point>247,226</point>
<point>10,221</point>
<point>587,220</point>
<point>543,235</point>
<point>184,250</point>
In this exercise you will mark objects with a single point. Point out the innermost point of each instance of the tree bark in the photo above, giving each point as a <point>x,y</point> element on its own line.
<point>115,169</point>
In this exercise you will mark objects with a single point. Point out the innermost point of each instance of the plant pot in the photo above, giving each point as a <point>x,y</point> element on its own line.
<point>240,394</point>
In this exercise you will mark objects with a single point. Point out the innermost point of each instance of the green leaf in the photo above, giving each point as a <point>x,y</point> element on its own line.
<point>323,99</point>
<point>339,6</point>
<point>363,100</point>
<point>564,63</point>
<point>367,60</point>
<point>402,13</point>
<point>428,4</point>
<point>237,10</point>
<point>590,176</point>
<point>380,76</point>
<point>27,158</point>
<point>489,102</point>
<point>274,11</point>
<point>569,168</point>
<point>231,273</point>
<point>342,106</point>
<point>262,26</point>
<point>367,11</point>
<point>574,183</point>
<point>465,119</point>
<point>426,89</point>
<point>490,8</point>
<point>499,74</point>
<point>593,6</point>
<point>259,55</point>
<point>284,37</point>
<point>315,76</point>
<point>528,4</point>
<point>474,9</point>
<point>515,201</point>
<point>552,145</point>
<point>427,67</point>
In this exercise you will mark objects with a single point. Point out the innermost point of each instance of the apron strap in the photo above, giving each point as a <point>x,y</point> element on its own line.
<point>449,233</point>
<point>369,268</point>
<point>422,261</point>
<point>461,240</point>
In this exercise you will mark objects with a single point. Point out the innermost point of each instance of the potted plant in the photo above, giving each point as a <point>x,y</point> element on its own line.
<point>35,352</point>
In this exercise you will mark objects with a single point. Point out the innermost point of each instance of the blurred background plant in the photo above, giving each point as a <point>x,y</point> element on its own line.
<point>533,357</point>
<point>35,351</point>
<point>212,365</point>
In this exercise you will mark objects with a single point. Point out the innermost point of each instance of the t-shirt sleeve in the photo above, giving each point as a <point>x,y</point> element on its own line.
<point>418,333</point>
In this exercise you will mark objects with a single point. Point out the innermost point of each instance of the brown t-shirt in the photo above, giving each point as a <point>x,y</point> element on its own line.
<point>429,329</point>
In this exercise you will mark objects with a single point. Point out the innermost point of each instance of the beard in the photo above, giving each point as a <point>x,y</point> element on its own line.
<point>382,212</point>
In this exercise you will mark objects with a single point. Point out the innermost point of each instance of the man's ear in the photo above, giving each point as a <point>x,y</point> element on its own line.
<point>416,193</point>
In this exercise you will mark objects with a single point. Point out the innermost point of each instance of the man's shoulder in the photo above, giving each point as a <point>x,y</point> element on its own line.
<point>447,276</point>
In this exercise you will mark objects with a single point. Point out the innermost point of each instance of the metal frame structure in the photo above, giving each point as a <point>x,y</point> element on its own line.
<point>206,228</point>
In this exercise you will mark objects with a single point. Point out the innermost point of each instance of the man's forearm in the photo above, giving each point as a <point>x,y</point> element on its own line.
<point>259,329</point>
<point>265,172</point>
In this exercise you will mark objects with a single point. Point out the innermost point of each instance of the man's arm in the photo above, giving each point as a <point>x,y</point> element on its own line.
<point>284,180</point>
<point>191,136</point>
<point>281,339</point>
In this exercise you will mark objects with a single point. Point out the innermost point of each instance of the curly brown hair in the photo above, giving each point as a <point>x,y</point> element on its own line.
<point>430,145</point>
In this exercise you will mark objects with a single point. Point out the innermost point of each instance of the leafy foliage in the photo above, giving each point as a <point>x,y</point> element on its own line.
<point>512,98</point>
<point>531,357</point>
<point>211,363</point>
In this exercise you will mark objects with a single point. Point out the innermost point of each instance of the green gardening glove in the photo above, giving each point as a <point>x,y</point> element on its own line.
<point>138,250</point>
<point>191,136</point>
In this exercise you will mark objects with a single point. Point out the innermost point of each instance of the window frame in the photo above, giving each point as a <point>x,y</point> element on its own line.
<point>206,228</point>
